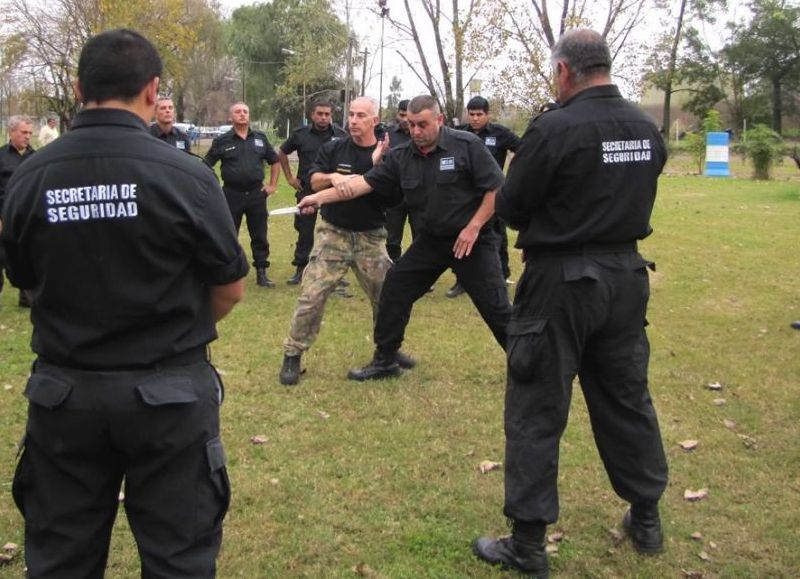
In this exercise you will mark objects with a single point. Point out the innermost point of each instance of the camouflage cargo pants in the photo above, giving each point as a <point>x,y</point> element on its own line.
<point>335,251</point>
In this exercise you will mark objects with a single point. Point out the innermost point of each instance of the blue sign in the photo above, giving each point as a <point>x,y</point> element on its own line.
<point>717,155</point>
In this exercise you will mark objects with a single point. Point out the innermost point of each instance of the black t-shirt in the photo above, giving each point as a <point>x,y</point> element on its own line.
<point>497,138</point>
<point>175,137</point>
<point>398,136</point>
<point>242,159</point>
<point>445,187</point>
<point>343,156</point>
<point>10,159</point>
<point>585,173</point>
<point>307,142</point>
<point>119,237</point>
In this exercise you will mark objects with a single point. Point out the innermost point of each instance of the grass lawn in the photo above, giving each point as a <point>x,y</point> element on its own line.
<point>382,479</point>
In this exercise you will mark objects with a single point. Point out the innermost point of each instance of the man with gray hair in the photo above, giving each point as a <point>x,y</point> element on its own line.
<point>20,131</point>
<point>580,190</point>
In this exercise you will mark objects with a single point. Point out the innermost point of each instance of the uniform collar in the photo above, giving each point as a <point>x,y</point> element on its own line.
<point>103,116</point>
<point>14,151</point>
<point>602,91</point>
<point>443,143</point>
<point>172,130</point>
<point>313,129</point>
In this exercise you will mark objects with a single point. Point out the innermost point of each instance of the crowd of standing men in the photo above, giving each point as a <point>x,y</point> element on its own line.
<point>122,388</point>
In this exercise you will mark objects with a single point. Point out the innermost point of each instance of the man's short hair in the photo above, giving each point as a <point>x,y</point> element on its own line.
<point>403,105</point>
<point>15,121</point>
<point>373,104</point>
<point>423,102</point>
<point>116,64</point>
<point>585,51</point>
<point>324,103</point>
<point>163,98</point>
<point>478,103</point>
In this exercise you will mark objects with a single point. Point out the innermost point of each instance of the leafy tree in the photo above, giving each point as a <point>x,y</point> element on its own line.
<point>289,51</point>
<point>768,48</point>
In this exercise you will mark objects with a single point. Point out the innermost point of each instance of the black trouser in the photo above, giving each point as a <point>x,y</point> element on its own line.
<point>253,205</point>
<point>304,225</point>
<point>395,228</point>
<point>159,430</point>
<point>419,268</point>
<point>500,227</point>
<point>580,314</point>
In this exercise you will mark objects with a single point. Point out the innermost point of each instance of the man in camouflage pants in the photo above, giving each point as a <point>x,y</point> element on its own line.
<point>351,234</point>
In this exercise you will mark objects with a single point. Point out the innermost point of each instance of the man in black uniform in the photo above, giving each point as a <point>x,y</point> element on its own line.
<point>348,235</point>
<point>499,140</point>
<point>449,180</point>
<point>164,128</point>
<point>20,131</point>
<point>137,259</point>
<point>396,216</point>
<point>580,190</point>
<point>306,140</point>
<point>243,152</point>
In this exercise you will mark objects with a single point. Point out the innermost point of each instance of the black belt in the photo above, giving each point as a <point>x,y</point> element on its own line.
<point>187,358</point>
<point>588,248</point>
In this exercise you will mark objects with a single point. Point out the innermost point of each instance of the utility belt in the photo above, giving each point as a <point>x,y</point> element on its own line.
<point>586,249</point>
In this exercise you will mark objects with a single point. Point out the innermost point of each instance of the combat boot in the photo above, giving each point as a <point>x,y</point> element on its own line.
<point>455,291</point>
<point>522,551</point>
<point>25,299</point>
<point>380,367</point>
<point>290,370</point>
<point>297,277</point>
<point>261,278</point>
<point>404,360</point>
<point>643,525</point>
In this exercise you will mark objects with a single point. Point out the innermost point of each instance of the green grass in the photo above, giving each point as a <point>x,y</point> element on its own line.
<point>390,478</point>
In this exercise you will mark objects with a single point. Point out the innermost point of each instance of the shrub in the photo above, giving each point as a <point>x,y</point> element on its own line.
<point>763,147</point>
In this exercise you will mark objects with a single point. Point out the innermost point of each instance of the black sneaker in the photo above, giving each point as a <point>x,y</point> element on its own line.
<point>378,369</point>
<point>290,370</point>
<point>643,525</point>
<point>455,291</point>
<point>530,560</point>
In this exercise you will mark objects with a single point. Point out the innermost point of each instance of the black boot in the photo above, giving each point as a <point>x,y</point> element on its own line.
<point>297,277</point>
<point>404,360</point>
<point>455,291</point>
<point>261,278</point>
<point>643,525</point>
<point>290,370</point>
<point>380,367</point>
<point>523,551</point>
<point>25,299</point>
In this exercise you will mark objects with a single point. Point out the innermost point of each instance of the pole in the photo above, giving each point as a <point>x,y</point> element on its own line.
<point>364,72</point>
<point>305,116</point>
<point>348,80</point>
<point>244,83</point>
<point>380,99</point>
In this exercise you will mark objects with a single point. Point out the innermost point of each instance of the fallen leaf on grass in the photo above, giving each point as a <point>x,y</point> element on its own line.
<point>688,444</point>
<point>712,544</point>
<point>470,452</point>
<point>551,549</point>
<point>692,496</point>
<point>10,548</point>
<point>121,497</point>
<point>274,481</point>
<point>4,558</point>
<point>692,574</point>
<point>729,424</point>
<point>748,441</point>
<point>616,536</point>
<point>7,386</point>
<point>555,537</point>
<point>704,556</point>
<point>697,536</point>
<point>489,466</point>
<point>258,439</point>
<point>719,402</point>
<point>363,570</point>
<point>324,415</point>
<point>714,386</point>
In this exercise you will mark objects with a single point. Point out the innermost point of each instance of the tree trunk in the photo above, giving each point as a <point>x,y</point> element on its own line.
<point>673,57</point>
<point>777,105</point>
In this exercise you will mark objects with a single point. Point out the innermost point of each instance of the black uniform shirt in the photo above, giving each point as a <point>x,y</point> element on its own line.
<point>397,136</point>
<point>175,137</point>
<point>307,142</point>
<point>119,237</point>
<point>242,159</point>
<point>446,186</point>
<point>585,173</point>
<point>10,159</point>
<point>362,213</point>
<point>497,138</point>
